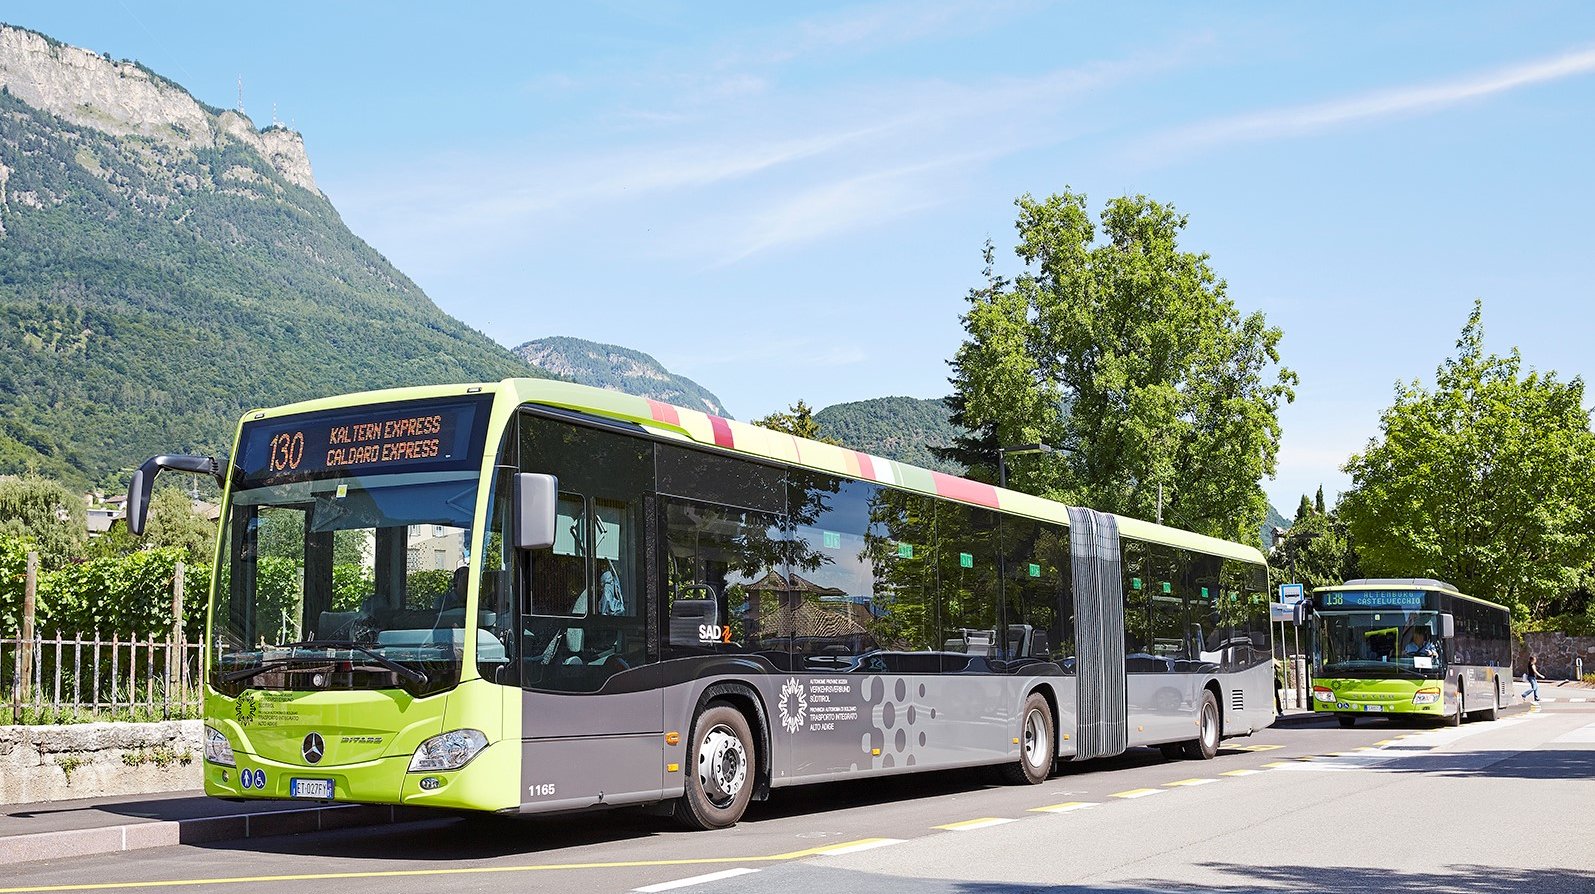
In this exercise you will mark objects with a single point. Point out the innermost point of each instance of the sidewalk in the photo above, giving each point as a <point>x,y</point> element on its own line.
<point>132,822</point>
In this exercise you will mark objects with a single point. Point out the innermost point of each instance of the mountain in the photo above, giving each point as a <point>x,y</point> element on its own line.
<point>900,428</point>
<point>618,369</point>
<point>1276,519</point>
<point>165,265</point>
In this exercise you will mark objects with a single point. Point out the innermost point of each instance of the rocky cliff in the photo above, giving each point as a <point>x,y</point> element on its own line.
<point>125,99</point>
<point>164,266</point>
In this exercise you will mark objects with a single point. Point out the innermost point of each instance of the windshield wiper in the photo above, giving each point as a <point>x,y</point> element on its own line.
<point>408,673</point>
<point>246,673</point>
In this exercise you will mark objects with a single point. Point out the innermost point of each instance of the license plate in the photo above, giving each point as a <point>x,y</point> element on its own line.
<point>320,789</point>
<point>1373,707</point>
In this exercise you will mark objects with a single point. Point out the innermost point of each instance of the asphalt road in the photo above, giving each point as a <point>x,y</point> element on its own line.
<point>1503,806</point>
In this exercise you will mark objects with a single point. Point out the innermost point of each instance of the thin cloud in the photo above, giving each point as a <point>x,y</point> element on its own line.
<point>1316,117</point>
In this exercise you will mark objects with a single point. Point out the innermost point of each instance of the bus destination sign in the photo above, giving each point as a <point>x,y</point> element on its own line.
<point>1392,599</point>
<point>413,437</point>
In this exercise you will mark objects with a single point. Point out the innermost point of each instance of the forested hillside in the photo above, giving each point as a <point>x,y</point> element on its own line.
<point>164,266</point>
<point>618,369</point>
<point>901,428</point>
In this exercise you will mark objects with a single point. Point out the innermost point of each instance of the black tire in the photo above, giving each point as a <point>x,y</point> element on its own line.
<point>721,770</point>
<point>1456,719</point>
<point>1037,753</point>
<point>1209,729</point>
<point>1346,720</point>
<point>1174,751</point>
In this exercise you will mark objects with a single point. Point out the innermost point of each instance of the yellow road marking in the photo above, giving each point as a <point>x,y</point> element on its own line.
<point>1240,772</point>
<point>1385,742</point>
<point>1259,747</point>
<point>967,825</point>
<point>1065,807</point>
<point>465,870</point>
<point>1137,793</point>
<point>1196,781</point>
<point>1277,764</point>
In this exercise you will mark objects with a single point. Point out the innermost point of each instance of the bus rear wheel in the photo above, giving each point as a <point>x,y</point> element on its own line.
<point>1494,710</point>
<point>1205,745</point>
<point>1036,751</point>
<point>721,770</point>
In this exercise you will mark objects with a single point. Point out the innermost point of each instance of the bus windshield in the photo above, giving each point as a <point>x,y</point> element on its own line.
<point>1385,643</point>
<point>351,582</point>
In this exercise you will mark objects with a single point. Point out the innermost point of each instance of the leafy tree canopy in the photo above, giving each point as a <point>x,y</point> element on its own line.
<point>797,420</point>
<point>1316,549</point>
<point>1127,353</point>
<point>1486,481</point>
<point>46,513</point>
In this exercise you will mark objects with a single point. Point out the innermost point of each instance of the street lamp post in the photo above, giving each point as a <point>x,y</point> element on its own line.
<point>1002,458</point>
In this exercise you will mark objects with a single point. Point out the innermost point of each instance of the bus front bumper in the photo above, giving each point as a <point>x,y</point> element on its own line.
<point>490,782</point>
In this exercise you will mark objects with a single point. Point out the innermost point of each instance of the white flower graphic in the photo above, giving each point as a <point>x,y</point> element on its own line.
<point>793,705</point>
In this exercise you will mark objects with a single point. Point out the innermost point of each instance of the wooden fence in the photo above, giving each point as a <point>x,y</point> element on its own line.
<point>68,676</point>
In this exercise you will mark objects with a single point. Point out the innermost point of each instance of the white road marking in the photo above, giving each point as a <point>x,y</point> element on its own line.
<point>854,848</point>
<point>1582,735</point>
<point>695,880</point>
<point>1065,807</point>
<point>970,825</point>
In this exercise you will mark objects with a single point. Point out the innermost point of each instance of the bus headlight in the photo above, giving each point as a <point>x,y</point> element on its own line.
<point>449,751</point>
<point>217,749</point>
<point>1323,693</point>
<point>1426,696</point>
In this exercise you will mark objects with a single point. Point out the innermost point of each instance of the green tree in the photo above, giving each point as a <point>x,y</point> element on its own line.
<point>45,512</point>
<point>174,523</point>
<point>797,420</point>
<point>1317,549</point>
<point>1487,481</point>
<point>1128,353</point>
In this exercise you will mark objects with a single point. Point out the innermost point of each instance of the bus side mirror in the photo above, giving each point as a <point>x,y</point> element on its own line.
<point>535,502</point>
<point>138,489</point>
<point>1448,626</point>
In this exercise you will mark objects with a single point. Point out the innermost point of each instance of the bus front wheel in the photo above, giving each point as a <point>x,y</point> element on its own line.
<point>1456,719</point>
<point>721,770</point>
<point>1346,720</point>
<point>1205,745</point>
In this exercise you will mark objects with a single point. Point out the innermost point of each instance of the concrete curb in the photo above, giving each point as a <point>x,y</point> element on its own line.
<point>199,830</point>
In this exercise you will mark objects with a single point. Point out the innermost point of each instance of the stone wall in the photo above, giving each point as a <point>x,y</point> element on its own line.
<point>1556,652</point>
<point>86,760</point>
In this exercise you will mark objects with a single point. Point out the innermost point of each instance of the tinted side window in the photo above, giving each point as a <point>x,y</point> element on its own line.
<point>966,572</point>
<point>1166,606</point>
<point>726,589</point>
<point>1203,585</point>
<point>1140,579</point>
<point>906,622</point>
<point>832,615</point>
<point>1037,595</point>
<point>726,480</point>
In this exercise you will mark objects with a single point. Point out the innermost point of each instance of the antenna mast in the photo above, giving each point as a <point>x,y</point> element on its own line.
<point>240,94</point>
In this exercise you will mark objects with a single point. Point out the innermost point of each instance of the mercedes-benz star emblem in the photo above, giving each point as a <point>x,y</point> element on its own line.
<point>314,748</point>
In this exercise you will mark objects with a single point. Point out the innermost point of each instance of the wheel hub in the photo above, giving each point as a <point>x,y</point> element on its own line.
<point>722,765</point>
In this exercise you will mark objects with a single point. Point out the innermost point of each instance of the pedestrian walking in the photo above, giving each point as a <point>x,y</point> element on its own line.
<point>1531,676</point>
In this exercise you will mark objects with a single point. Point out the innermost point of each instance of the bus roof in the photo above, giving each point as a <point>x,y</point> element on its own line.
<point>684,424</point>
<point>1403,583</point>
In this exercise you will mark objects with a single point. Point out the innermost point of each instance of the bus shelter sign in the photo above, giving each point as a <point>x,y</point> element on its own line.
<point>1290,594</point>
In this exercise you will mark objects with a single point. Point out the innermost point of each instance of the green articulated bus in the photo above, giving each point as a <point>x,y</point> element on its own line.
<point>533,596</point>
<point>1409,647</point>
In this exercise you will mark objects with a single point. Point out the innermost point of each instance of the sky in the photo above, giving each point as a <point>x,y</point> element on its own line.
<point>788,202</point>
